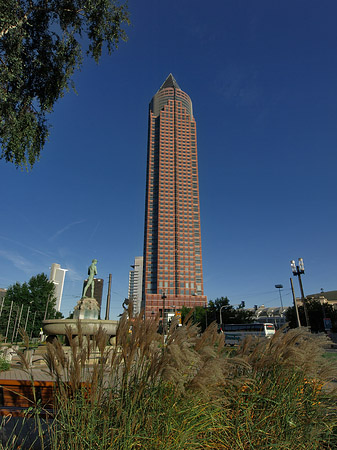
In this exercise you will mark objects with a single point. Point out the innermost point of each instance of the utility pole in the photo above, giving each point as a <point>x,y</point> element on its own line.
<point>107,312</point>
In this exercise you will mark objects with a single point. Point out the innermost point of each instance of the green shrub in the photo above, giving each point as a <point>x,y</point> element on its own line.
<point>4,364</point>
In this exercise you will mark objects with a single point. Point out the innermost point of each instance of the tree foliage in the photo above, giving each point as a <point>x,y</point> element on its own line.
<point>41,45</point>
<point>28,300</point>
<point>316,312</point>
<point>229,314</point>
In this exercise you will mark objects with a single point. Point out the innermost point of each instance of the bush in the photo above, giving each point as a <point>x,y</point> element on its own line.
<point>4,364</point>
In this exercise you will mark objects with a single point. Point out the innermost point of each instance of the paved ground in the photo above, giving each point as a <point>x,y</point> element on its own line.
<point>16,373</point>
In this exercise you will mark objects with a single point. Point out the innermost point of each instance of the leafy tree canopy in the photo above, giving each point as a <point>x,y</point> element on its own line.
<point>229,314</point>
<point>40,48</point>
<point>316,312</point>
<point>29,300</point>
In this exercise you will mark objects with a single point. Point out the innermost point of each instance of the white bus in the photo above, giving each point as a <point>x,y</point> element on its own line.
<point>234,333</point>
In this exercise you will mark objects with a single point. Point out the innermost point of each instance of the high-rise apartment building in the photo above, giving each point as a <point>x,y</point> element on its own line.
<point>136,284</point>
<point>172,241</point>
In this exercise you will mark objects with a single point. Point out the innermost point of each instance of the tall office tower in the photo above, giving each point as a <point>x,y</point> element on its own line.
<point>136,284</point>
<point>57,275</point>
<point>172,244</point>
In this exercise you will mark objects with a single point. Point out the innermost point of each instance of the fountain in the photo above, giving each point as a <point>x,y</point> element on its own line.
<point>86,314</point>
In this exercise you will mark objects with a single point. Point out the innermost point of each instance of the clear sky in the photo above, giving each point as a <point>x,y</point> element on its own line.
<point>262,76</point>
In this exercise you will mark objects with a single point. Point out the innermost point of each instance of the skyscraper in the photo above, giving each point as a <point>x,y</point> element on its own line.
<point>57,275</point>
<point>136,283</point>
<point>172,242</point>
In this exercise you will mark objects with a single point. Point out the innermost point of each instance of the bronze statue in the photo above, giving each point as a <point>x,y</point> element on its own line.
<point>92,271</point>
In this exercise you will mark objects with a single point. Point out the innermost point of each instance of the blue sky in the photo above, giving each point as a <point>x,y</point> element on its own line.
<point>262,77</point>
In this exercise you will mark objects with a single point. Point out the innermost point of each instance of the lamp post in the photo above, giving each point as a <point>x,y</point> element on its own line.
<point>224,306</point>
<point>279,287</point>
<point>295,303</point>
<point>298,270</point>
<point>163,297</point>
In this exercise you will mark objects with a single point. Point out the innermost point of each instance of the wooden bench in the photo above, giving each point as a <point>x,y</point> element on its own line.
<point>16,396</point>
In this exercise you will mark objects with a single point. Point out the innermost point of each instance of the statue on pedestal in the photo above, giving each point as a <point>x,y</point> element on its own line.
<point>87,307</point>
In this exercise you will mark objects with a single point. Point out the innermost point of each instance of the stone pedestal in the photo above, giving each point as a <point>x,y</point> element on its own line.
<point>87,308</point>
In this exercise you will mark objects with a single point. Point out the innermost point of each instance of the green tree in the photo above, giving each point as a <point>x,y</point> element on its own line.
<point>40,48</point>
<point>229,314</point>
<point>198,315</point>
<point>316,313</point>
<point>28,300</point>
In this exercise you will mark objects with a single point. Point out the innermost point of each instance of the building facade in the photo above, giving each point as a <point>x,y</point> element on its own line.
<point>172,275</point>
<point>57,276</point>
<point>136,284</point>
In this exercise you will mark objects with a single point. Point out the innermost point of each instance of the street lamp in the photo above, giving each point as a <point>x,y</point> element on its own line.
<point>298,270</point>
<point>224,306</point>
<point>163,297</point>
<point>279,287</point>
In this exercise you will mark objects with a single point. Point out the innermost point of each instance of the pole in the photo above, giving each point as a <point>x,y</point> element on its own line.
<point>2,305</point>
<point>107,312</point>
<point>223,306</point>
<point>295,303</point>
<point>303,298</point>
<point>17,328</point>
<point>164,319</point>
<point>46,310</point>
<point>31,334</point>
<point>27,318</point>
<point>9,320</point>
<point>16,320</point>
<point>281,299</point>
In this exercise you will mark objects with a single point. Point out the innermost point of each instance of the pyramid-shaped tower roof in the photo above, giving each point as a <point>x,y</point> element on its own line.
<point>170,82</point>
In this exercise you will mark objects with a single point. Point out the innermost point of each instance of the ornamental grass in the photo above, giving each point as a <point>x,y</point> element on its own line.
<point>192,392</point>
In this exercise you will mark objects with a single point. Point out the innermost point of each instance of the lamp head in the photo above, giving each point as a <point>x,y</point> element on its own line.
<point>293,266</point>
<point>301,265</point>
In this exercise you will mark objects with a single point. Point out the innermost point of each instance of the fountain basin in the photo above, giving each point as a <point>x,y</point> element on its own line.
<point>55,327</point>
